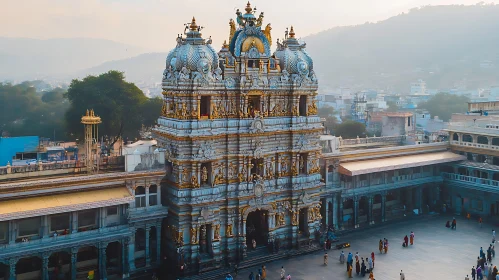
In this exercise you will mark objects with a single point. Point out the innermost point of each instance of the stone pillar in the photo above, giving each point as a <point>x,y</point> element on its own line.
<point>355,211</point>
<point>102,218</point>
<point>123,257</point>
<point>383,205</point>
<point>12,271</point>
<point>102,261</point>
<point>334,212</point>
<point>148,253</point>
<point>420,199</point>
<point>12,232</point>
<point>45,226</point>
<point>147,196</point>
<point>74,222</point>
<point>158,242</point>
<point>370,214</point>
<point>340,222</point>
<point>131,252</point>
<point>74,260</point>
<point>45,265</point>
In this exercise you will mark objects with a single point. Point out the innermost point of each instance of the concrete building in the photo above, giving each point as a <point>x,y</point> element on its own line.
<point>400,123</point>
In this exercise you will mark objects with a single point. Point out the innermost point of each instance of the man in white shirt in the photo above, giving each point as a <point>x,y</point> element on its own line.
<point>466,278</point>
<point>402,275</point>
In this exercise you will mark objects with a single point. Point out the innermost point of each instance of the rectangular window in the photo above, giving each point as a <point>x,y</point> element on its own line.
<point>303,105</point>
<point>59,222</point>
<point>206,173</point>
<point>140,201</point>
<point>87,219</point>
<point>112,210</point>
<point>204,106</point>
<point>29,227</point>
<point>303,222</point>
<point>302,164</point>
<point>408,121</point>
<point>153,199</point>
<point>253,105</point>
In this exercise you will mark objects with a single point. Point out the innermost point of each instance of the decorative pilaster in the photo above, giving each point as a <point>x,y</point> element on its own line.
<point>158,242</point>
<point>148,254</point>
<point>355,211</point>
<point>147,197</point>
<point>74,222</point>
<point>370,214</point>
<point>45,226</point>
<point>340,222</point>
<point>334,212</point>
<point>45,265</point>
<point>383,204</point>
<point>12,271</point>
<point>74,259</point>
<point>102,261</point>
<point>131,252</point>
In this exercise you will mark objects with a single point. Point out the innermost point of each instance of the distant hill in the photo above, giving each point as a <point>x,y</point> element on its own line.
<point>146,67</point>
<point>441,44</point>
<point>28,59</point>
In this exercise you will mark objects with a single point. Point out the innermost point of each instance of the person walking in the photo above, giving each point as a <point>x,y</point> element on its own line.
<point>251,276</point>
<point>412,238</point>
<point>493,236</point>
<point>372,257</point>
<point>228,277</point>
<point>486,270</point>
<point>350,259</point>
<point>349,270</point>
<point>264,272</point>
<point>342,257</point>
<point>466,278</point>
<point>406,241</point>
<point>473,272</point>
<point>480,221</point>
<point>371,276</point>
<point>357,267</point>
<point>325,258</point>
<point>386,245</point>
<point>402,275</point>
<point>283,273</point>
<point>380,246</point>
<point>479,275</point>
<point>370,262</point>
<point>288,277</point>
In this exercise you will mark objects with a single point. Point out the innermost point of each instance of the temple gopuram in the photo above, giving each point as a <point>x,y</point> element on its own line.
<point>241,132</point>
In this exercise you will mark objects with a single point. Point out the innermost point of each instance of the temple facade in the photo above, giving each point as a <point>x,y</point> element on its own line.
<point>241,132</point>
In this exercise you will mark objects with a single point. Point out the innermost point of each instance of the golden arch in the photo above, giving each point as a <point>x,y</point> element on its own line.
<point>253,41</point>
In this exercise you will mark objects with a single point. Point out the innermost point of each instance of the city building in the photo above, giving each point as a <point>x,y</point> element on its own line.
<point>418,87</point>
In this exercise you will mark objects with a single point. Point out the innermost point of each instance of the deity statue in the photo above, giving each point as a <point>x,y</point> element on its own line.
<point>214,113</point>
<point>219,178</point>
<point>164,110</point>
<point>294,171</point>
<point>312,108</point>
<point>285,76</point>
<point>267,34</point>
<point>217,232</point>
<point>218,74</point>
<point>302,163</point>
<point>232,25</point>
<point>270,169</point>
<point>295,219</point>
<point>184,74</point>
<point>228,231</point>
<point>284,167</point>
<point>194,235</point>
<point>194,181</point>
<point>204,175</point>
<point>259,21</point>
<point>261,65</point>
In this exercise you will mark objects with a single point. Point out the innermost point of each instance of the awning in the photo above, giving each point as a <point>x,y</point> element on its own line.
<point>385,164</point>
<point>61,203</point>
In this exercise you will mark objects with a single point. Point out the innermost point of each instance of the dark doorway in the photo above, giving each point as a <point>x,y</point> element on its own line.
<point>113,259</point>
<point>60,265</point>
<point>257,228</point>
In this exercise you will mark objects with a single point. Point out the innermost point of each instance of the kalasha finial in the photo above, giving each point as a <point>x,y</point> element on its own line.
<point>248,8</point>
<point>193,26</point>
<point>292,32</point>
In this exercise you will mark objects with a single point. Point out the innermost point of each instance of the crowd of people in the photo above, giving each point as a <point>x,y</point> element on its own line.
<point>484,267</point>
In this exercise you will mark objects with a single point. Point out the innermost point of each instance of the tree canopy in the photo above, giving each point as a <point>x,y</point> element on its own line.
<point>327,112</point>
<point>122,106</point>
<point>27,112</point>
<point>392,106</point>
<point>350,129</point>
<point>444,105</point>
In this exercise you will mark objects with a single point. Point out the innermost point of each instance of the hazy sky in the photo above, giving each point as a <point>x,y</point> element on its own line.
<point>154,24</point>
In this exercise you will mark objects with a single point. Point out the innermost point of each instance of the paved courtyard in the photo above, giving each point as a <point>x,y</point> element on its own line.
<point>438,252</point>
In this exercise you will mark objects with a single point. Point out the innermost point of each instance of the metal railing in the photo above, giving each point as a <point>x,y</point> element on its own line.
<point>470,179</point>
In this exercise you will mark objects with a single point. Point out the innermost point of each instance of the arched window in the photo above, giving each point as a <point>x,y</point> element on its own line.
<point>140,197</point>
<point>455,137</point>
<point>153,195</point>
<point>467,138</point>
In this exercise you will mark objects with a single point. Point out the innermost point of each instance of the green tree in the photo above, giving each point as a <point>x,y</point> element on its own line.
<point>444,105</point>
<point>350,129</point>
<point>117,102</point>
<point>392,106</point>
<point>327,112</point>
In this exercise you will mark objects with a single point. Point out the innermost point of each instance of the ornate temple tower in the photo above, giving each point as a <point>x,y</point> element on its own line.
<point>241,133</point>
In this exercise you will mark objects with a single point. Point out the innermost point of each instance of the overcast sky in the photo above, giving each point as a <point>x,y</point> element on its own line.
<point>154,24</point>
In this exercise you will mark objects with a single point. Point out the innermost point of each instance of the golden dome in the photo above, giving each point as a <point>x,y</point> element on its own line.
<point>253,42</point>
<point>90,118</point>
<point>292,32</point>
<point>193,26</point>
<point>248,8</point>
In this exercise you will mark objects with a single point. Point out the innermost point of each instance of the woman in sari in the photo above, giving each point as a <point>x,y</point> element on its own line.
<point>380,246</point>
<point>412,238</point>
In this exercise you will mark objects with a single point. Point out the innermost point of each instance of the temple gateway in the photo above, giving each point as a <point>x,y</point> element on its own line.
<point>241,132</point>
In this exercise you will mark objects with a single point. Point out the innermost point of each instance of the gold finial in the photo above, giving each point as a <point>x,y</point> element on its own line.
<point>87,114</point>
<point>248,8</point>
<point>292,32</point>
<point>225,44</point>
<point>193,26</point>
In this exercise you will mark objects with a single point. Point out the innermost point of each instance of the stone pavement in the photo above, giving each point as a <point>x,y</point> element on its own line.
<point>437,253</point>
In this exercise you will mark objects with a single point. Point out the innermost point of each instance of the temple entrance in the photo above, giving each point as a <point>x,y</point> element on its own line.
<point>257,228</point>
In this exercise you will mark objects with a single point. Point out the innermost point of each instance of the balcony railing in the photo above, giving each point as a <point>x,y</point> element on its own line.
<point>474,145</point>
<point>381,181</point>
<point>470,179</point>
